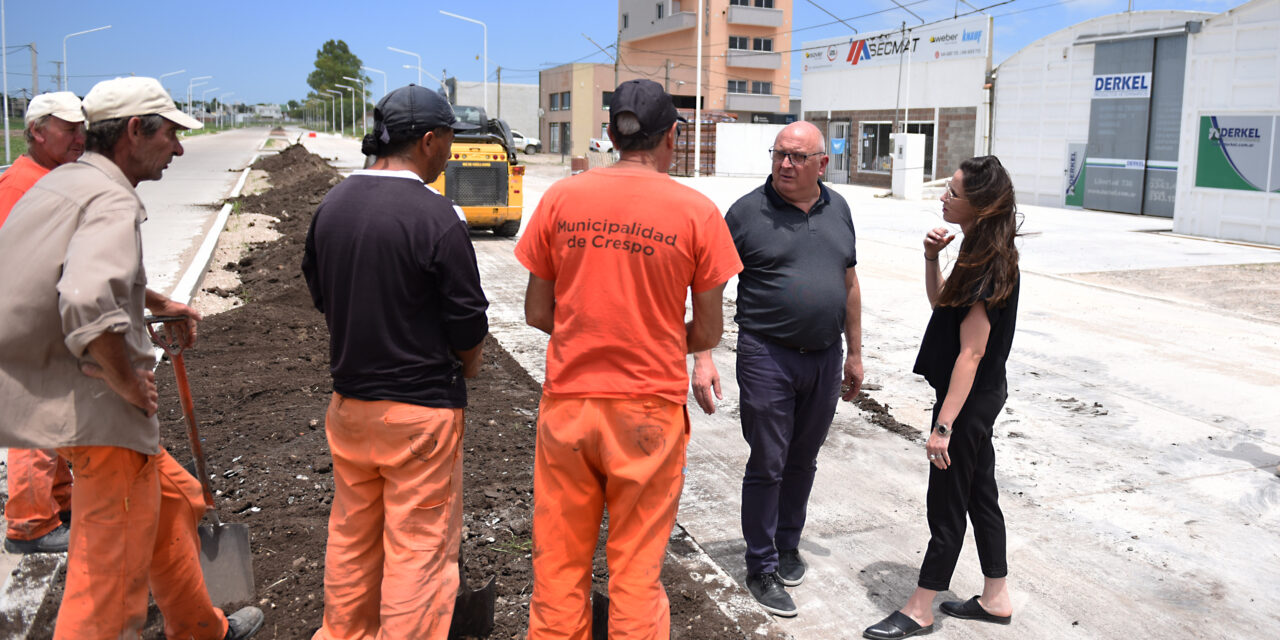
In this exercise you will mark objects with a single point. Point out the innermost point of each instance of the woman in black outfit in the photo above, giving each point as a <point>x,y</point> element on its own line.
<point>963,357</point>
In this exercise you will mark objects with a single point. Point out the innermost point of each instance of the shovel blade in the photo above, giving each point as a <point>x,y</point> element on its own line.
<point>227,562</point>
<point>473,611</point>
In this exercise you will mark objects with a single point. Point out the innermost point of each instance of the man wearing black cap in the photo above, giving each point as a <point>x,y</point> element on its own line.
<point>612,254</point>
<point>391,267</point>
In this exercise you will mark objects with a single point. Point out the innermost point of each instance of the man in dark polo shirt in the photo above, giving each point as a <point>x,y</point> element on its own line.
<point>797,293</point>
<point>392,268</point>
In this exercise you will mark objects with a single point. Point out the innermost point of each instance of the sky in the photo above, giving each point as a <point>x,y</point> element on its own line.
<point>261,52</point>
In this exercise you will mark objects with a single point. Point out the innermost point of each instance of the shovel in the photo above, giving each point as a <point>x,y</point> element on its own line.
<point>224,547</point>
<point>473,608</point>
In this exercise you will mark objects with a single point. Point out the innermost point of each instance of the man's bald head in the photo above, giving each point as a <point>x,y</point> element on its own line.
<point>804,132</point>
<point>794,179</point>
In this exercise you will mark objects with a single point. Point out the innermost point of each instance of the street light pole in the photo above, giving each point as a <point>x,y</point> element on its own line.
<point>485,65</point>
<point>205,105</point>
<point>364,115</point>
<point>333,111</point>
<point>191,84</point>
<point>410,53</point>
<point>353,105</point>
<point>65,85</point>
<point>338,113</point>
<point>222,105</point>
<point>166,75</point>
<point>384,78</point>
<point>429,74</point>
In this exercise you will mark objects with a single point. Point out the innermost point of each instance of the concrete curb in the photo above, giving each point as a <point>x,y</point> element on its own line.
<point>191,279</point>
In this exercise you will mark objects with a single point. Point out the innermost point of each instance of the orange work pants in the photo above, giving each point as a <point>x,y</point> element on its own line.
<point>39,489</point>
<point>391,565</point>
<point>133,524</point>
<point>629,455</point>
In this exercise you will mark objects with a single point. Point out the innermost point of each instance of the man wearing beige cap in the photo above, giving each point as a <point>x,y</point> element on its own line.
<point>39,501</point>
<point>55,136</point>
<point>75,359</point>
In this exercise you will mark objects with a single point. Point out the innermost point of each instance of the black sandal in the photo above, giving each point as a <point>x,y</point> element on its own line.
<point>897,625</point>
<point>971,609</point>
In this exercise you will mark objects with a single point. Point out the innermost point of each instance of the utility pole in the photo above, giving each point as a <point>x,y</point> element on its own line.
<point>35,73</point>
<point>58,74</point>
<point>666,86</point>
<point>499,92</point>
<point>617,47</point>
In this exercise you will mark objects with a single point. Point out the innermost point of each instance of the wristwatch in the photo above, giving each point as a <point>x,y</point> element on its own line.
<point>942,429</point>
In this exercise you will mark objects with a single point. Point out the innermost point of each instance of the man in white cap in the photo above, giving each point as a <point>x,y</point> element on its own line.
<point>39,480</point>
<point>55,136</point>
<point>75,359</point>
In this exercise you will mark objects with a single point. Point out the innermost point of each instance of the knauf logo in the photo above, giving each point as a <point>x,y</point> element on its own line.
<point>972,36</point>
<point>1229,133</point>
<point>858,51</point>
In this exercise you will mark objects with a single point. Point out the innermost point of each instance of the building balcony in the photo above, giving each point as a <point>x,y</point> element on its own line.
<point>675,22</point>
<point>755,16</point>
<point>753,59</point>
<point>751,102</point>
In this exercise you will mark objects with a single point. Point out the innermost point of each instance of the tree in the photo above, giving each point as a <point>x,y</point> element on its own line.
<point>333,61</point>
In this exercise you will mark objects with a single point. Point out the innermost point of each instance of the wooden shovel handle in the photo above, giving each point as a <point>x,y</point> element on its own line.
<point>174,349</point>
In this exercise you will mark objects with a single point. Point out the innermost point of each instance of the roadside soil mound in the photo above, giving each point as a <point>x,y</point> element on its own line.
<point>260,381</point>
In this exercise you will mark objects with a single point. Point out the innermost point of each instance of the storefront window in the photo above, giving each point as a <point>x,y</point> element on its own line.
<point>875,148</point>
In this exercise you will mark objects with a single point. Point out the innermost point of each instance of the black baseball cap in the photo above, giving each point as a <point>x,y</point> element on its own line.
<point>651,105</point>
<point>413,109</point>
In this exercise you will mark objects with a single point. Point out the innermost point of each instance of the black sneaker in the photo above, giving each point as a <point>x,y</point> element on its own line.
<point>767,589</point>
<point>244,623</point>
<point>791,568</point>
<point>55,541</point>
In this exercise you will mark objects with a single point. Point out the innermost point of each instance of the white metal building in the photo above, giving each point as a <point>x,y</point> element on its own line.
<point>1231,111</point>
<point>1202,120</point>
<point>1043,96</point>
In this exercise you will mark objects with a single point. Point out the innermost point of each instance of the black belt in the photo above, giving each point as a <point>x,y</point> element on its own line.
<point>784,344</point>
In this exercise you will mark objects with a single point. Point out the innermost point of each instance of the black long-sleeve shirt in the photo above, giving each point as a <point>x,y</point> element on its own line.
<point>392,268</point>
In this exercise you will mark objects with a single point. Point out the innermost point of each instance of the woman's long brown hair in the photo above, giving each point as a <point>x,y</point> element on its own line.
<point>988,259</point>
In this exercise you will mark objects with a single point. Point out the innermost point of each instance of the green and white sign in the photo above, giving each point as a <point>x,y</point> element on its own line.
<point>1238,152</point>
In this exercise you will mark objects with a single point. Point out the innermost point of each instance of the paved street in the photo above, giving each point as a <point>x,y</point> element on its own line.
<point>1136,452</point>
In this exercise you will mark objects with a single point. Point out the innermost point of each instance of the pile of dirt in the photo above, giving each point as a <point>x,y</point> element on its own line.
<point>261,386</point>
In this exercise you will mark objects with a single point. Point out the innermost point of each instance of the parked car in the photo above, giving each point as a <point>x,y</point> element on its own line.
<point>603,145</point>
<point>528,144</point>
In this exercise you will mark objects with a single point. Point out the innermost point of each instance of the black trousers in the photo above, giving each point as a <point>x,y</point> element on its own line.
<point>968,486</point>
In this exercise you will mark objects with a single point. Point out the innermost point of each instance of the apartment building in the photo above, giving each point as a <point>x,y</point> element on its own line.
<point>746,59</point>
<point>746,67</point>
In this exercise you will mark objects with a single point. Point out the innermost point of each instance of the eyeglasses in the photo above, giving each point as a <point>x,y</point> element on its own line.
<point>796,158</point>
<point>951,193</point>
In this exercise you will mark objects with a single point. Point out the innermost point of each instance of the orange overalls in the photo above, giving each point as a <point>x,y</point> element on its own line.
<point>391,565</point>
<point>133,524</point>
<point>39,491</point>
<point>628,455</point>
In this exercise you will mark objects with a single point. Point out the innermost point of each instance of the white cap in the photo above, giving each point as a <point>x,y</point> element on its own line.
<point>63,105</point>
<point>133,96</point>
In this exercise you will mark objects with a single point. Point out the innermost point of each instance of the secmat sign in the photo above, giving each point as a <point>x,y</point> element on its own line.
<point>944,41</point>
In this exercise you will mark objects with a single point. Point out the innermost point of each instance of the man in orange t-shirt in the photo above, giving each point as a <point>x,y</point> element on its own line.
<point>55,136</point>
<point>612,254</point>
<point>39,502</point>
